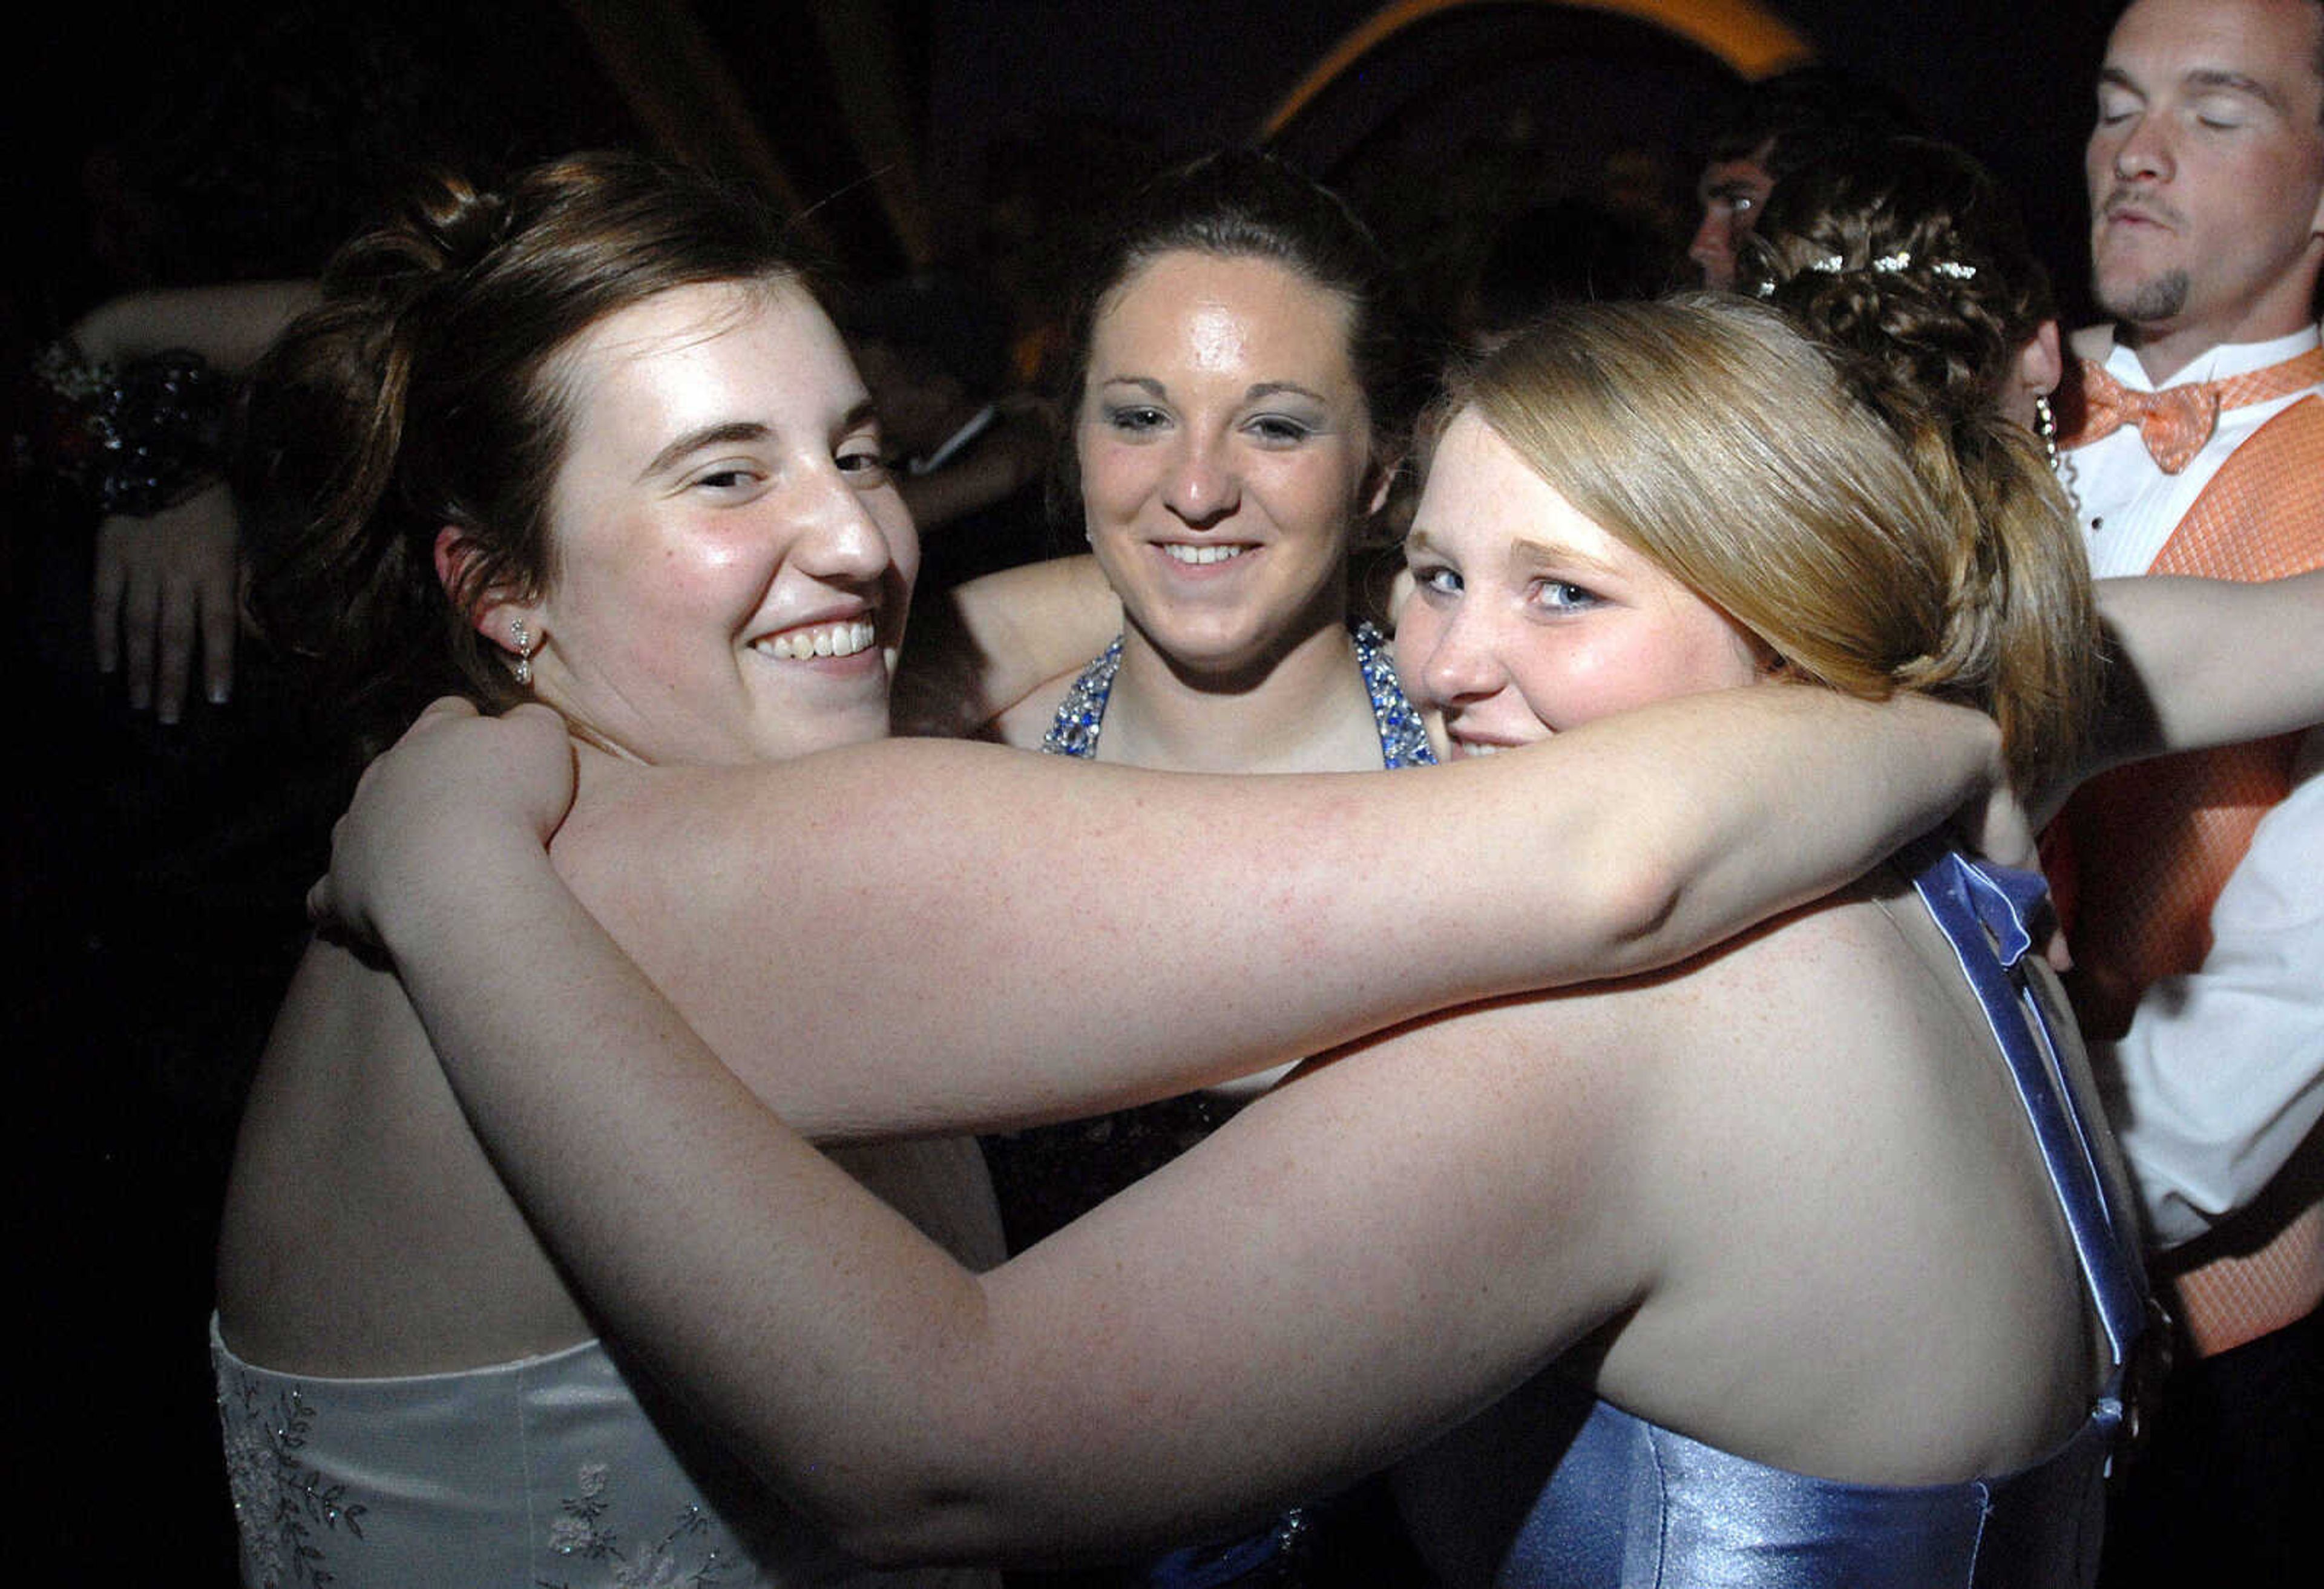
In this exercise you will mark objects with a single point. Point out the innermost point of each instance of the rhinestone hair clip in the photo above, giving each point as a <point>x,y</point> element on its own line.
<point>1886,265</point>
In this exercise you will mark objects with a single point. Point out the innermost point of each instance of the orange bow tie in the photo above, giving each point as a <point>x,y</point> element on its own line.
<point>2176,421</point>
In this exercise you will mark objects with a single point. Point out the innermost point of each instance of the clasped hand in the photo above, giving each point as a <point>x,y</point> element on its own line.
<point>458,795</point>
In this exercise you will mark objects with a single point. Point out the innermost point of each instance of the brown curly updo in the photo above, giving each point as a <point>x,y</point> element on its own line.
<point>1906,261</point>
<point>1908,253</point>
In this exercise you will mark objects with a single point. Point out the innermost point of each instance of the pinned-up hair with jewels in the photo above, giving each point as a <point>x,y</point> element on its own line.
<point>1906,259</point>
<point>1908,252</point>
<point>1711,436</point>
<point>424,391</point>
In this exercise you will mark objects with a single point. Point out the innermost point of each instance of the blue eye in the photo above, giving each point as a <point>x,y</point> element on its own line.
<point>1437,581</point>
<point>1563,596</point>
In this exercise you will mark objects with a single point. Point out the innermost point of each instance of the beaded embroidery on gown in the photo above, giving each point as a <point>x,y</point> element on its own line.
<point>1630,1503</point>
<point>1404,741</point>
<point>546,1473</point>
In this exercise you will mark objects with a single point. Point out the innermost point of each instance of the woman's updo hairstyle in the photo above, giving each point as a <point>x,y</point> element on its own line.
<point>1906,252</point>
<point>1712,437</point>
<point>1247,204</point>
<point>1906,259</point>
<point>426,390</point>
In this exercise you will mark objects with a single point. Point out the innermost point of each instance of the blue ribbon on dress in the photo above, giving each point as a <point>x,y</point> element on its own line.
<point>1989,915</point>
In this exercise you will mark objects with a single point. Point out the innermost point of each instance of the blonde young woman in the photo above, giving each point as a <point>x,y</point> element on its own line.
<point>1779,1210</point>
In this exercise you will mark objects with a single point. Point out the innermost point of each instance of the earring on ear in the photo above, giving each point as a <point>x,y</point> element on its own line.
<point>2046,424</point>
<point>524,644</point>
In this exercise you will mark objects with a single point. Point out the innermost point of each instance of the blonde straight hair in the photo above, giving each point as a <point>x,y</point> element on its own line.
<point>1722,444</point>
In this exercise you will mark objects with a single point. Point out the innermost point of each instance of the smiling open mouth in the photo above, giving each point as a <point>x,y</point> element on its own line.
<point>822,640</point>
<point>1199,556</point>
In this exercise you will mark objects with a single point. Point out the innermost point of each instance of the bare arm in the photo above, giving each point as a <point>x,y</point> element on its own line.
<point>928,1414</point>
<point>229,324</point>
<point>899,969</point>
<point>2203,661</point>
<point>989,643</point>
<point>919,936</point>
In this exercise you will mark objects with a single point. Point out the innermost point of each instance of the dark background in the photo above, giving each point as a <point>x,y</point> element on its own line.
<point>154,875</point>
<point>252,135</point>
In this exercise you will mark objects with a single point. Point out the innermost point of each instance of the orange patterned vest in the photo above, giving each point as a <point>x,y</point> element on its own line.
<point>2152,844</point>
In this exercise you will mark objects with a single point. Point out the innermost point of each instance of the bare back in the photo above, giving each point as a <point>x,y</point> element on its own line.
<point>365,1232</point>
<point>1865,1271</point>
<point>1784,1200</point>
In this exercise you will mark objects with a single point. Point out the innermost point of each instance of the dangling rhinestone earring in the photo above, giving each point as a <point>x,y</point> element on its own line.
<point>524,644</point>
<point>2061,464</point>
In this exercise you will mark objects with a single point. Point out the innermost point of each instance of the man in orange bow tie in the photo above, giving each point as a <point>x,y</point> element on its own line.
<point>2198,448</point>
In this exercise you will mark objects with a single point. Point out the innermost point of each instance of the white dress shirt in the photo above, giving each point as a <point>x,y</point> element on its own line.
<point>2222,1074</point>
<point>2127,505</point>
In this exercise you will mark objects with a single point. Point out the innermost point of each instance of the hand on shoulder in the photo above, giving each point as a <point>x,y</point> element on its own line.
<point>457,797</point>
